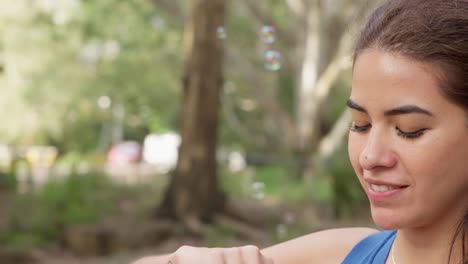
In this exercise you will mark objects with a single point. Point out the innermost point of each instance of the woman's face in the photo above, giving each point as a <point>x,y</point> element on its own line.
<point>408,144</point>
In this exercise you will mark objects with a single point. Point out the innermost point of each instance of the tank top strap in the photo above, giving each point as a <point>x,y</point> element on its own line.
<point>373,249</point>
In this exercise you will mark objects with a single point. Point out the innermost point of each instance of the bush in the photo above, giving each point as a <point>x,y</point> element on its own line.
<point>7,180</point>
<point>274,182</point>
<point>39,218</point>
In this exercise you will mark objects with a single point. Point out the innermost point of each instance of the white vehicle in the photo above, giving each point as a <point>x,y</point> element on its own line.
<point>161,150</point>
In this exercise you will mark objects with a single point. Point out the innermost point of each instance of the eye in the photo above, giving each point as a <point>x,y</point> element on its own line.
<point>411,134</point>
<point>356,128</point>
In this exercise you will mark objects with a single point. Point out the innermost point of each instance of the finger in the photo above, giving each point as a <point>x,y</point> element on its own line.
<point>189,255</point>
<point>213,256</point>
<point>172,259</point>
<point>266,260</point>
<point>232,256</point>
<point>251,255</point>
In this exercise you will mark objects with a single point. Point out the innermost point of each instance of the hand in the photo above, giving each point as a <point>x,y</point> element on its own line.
<point>195,255</point>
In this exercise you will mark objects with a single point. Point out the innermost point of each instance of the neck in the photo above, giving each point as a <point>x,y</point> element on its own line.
<point>429,243</point>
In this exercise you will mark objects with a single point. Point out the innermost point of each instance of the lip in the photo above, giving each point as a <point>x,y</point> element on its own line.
<point>387,195</point>
<point>380,182</point>
<point>383,196</point>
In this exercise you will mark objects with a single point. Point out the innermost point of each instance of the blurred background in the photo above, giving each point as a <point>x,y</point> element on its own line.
<point>132,127</point>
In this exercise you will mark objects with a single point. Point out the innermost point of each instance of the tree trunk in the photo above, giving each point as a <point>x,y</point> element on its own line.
<point>327,46</point>
<point>193,195</point>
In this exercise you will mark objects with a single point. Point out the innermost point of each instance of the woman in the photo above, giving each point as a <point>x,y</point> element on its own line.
<point>408,145</point>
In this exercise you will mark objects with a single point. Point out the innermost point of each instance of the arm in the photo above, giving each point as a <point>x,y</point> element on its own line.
<point>328,246</point>
<point>163,259</point>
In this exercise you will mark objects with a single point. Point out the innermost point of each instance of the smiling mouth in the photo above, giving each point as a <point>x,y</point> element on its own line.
<point>385,188</point>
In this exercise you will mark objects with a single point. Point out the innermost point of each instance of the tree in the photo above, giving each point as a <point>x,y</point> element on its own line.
<point>320,42</point>
<point>62,57</point>
<point>316,39</point>
<point>193,195</point>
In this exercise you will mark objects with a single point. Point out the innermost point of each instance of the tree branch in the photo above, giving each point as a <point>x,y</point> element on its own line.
<point>247,71</point>
<point>340,61</point>
<point>289,38</point>
<point>264,18</point>
<point>298,7</point>
<point>318,96</point>
<point>267,102</point>
<point>330,143</point>
<point>173,9</point>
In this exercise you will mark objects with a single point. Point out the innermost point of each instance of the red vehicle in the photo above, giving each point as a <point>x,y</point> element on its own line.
<point>126,152</point>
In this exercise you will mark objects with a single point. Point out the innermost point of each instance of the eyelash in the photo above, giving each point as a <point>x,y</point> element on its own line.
<point>412,134</point>
<point>401,133</point>
<point>356,128</point>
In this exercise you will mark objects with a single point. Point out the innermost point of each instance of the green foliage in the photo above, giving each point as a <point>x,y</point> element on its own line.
<point>283,232</point>
<point>343,190</point>
<point>77,198</point>
<point>237,185</point>
<point>122,49</point>
<point>269,182</point>
<point>40,218</point>
<point>221,235</point>
<point>131,52</point>
<point>7,179</point>
<point>279,183</point>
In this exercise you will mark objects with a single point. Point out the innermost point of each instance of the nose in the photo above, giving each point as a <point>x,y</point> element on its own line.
<point>377,152</point>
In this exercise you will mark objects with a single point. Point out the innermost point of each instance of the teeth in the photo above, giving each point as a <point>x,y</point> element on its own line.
<point>382,188</point>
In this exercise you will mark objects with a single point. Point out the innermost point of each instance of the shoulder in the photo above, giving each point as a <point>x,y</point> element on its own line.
<point>332,245</point>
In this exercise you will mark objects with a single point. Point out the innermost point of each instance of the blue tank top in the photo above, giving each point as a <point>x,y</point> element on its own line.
<point>373,249</point>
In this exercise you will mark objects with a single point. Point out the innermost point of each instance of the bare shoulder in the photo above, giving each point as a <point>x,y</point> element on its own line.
<point>328,246</point>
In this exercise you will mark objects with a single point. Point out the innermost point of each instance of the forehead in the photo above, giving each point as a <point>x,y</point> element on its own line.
<point>388,80</point>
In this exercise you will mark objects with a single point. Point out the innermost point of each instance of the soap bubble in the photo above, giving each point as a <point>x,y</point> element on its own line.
<point>272,60</point>
<point>258,192</point>
<point>104,102</point>
<point>158,23</point>
<point>267,34</point>
<point>281,231</point>
<point>221,32</point>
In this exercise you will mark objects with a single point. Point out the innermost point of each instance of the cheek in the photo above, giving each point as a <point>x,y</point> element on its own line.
<point>438,166</point>
<point>444,165</point>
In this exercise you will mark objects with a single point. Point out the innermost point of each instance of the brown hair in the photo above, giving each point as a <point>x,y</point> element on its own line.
<point>433,32</point>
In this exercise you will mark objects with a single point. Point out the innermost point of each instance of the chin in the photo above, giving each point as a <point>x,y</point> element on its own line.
<point>386,219</point>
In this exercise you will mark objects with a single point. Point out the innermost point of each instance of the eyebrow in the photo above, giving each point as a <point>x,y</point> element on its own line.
<point>401,110</point>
